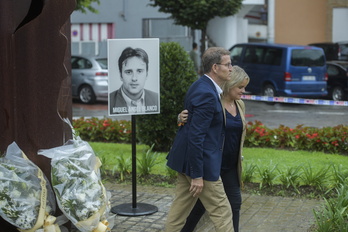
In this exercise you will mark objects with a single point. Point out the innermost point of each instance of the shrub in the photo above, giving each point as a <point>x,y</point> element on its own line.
<point>257,135</point>
<point>123,166</point>
<point>176,75</point>
<point>103,130</point>
<point>339,176</point>
<point>267,175</point>
<point>248,172</point>
<point>147,161</point>
<point>328,139</point>
<point>316,179</point>
<point>171,173</point>
<point>334,213</point>
<point>290,177</point>
<point>282,137</point>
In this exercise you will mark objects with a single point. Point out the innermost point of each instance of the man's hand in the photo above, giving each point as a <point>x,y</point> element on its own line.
<point>196,186</point>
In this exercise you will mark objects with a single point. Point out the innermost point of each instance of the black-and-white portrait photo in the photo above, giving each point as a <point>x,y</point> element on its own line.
<point>133,76</point>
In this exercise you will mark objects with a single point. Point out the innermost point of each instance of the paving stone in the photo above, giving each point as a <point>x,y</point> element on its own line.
<point>258,213</point>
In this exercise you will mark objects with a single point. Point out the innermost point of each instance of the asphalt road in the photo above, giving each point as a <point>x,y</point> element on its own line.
<point>271,115</point>
<point>291,115</point>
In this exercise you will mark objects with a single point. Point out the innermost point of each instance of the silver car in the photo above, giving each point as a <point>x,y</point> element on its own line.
<point>89,78</point>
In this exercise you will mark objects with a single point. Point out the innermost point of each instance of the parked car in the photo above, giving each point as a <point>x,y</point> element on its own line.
<point>282,70</point>
<point>343,50</point>
<point>89,78</point>
<point>334,51</point>
<point>337,84</point>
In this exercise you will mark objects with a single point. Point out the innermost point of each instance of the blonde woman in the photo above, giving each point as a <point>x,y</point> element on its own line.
<point>231,167</point>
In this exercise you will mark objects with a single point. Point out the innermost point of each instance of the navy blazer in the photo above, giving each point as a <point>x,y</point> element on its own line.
<point>197,148</point>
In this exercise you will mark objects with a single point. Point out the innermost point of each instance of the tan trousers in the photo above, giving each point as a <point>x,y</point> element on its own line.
<point>213,198</point>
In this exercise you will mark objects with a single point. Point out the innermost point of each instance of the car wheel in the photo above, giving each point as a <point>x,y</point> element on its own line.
<point>268,90</point>
<point>337,94</point>
<point>86,94</point>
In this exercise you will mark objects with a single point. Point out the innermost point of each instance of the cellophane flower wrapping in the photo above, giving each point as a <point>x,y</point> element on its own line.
<point>25,195</point>
<point>76,181</point>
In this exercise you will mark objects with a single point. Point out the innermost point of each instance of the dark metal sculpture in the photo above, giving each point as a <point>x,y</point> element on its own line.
<point>35,80</point>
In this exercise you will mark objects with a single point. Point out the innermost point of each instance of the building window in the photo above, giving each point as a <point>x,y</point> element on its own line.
<point>88,38</point>
<point>167,31</point>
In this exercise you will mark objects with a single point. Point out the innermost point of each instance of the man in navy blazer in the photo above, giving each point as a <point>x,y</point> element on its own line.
<point>196,153</point>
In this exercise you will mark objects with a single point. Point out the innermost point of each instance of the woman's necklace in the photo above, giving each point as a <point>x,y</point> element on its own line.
<point>232,110</point>
<point>231,104</point>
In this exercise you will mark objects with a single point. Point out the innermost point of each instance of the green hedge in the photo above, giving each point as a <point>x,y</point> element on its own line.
<point>103,130</point>
<point>327,139</point>
<point>176,76</point>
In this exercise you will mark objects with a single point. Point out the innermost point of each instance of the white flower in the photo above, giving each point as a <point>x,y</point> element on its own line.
<point>90,205</point>
<point>14,177</point>
<point>81,197</point>
<point>2,186</point>
<point>94,191</point>
<point>3,203</point>
<point>30,216</point>
<point>15,193</point>
<point>77,185</point>
<point>48,209</point>
<point>21,222</point>
<point>34,195</point>
<point>20,193</point>
<point>79,213</point>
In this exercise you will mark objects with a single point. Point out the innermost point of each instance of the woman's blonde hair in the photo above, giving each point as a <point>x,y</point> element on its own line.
<point>238,76</point>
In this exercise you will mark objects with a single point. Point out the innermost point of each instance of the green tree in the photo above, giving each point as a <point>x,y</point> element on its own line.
<point>86,5</point>
<point>197,13</point>
<point>176,75</point>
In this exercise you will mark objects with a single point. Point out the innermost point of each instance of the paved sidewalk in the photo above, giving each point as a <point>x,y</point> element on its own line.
<point>259,213</point>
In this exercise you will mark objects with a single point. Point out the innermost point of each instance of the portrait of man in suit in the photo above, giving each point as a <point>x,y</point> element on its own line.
<point>132,97</point>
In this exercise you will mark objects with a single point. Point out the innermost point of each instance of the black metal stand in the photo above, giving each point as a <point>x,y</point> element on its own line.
<point>134,208</point>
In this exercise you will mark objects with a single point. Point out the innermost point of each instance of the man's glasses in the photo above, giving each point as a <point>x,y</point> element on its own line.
<point>227,65</point>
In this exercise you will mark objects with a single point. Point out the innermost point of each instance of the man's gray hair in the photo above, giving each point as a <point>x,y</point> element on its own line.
<point>212,56</point>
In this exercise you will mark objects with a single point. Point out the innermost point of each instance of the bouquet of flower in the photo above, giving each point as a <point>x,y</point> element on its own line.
<point>76,181</point>
<point>26,198</point>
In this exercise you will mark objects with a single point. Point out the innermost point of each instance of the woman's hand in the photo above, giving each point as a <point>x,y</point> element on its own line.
<point>182,117</point>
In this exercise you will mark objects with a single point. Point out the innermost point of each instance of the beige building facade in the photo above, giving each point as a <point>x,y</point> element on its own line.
<point>309,21</point>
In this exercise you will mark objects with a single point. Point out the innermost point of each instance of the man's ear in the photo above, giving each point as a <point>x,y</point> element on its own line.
<point>214,68</point>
